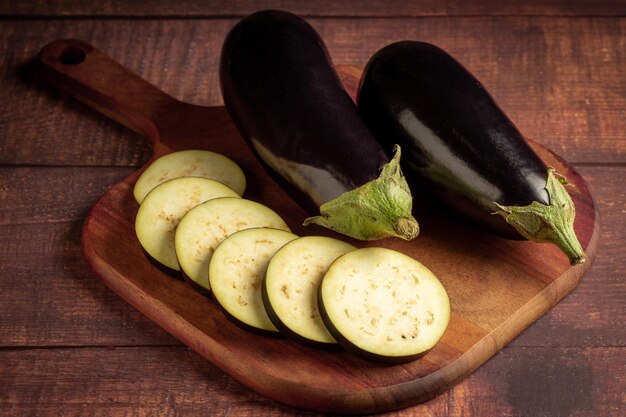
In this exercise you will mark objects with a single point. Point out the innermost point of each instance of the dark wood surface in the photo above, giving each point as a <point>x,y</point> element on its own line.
<point>70,346</point>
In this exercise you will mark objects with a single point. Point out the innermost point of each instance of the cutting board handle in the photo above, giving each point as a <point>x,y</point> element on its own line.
<point>91,76</point>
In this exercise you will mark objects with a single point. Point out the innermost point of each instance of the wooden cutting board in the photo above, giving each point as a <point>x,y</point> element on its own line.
<point>497,287</point>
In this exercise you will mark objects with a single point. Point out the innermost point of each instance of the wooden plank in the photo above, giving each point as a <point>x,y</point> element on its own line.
<point>50,297</point>
<point>352,8</point>
<point>38,196</point>
<point>166,382</point>
<point>556,382</point>
<point>560,80</point>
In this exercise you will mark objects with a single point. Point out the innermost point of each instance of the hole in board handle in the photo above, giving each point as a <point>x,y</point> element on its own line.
<point>72,55</point>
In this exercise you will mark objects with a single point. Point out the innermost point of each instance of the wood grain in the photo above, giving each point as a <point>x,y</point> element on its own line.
<point>562,83</point>
<point>176,382</point>
<point>40,241</point>
<point>49,296</point>
<point>353,8</point>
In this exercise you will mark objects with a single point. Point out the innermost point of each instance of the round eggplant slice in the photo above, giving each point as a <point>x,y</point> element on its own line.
<point>206,225</point>
<point>236,272</point>
<point>162,209</point>
<point>383,305</point>
<point>190,163</point>
<point>291,283</point>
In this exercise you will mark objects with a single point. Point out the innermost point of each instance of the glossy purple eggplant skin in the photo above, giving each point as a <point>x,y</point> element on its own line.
<point>285,97</point>
<point>457,142</point>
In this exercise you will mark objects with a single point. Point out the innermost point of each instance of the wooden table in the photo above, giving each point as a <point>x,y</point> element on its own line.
<point>70,346</point>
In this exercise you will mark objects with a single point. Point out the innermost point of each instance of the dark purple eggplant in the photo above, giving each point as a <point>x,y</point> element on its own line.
<point>461,146</point>
<point>286,99</point>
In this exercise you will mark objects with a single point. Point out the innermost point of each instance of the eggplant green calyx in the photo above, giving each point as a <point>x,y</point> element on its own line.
<point>378,209</point>
<point>553,223</point>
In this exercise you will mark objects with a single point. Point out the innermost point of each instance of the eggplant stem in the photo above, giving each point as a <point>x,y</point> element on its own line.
<point>378,209</point>
<point>553,223</point>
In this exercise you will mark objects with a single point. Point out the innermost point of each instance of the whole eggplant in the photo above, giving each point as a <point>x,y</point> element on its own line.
<point>286,99</point>
<point>459,144</point>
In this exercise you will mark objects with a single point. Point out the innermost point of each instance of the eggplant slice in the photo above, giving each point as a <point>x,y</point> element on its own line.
<point>383,305</point>
<point>190,163</point>
<point>206,225</point>
<point>236,272</point>
<point>291,283</point>
<point>164,206</point>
